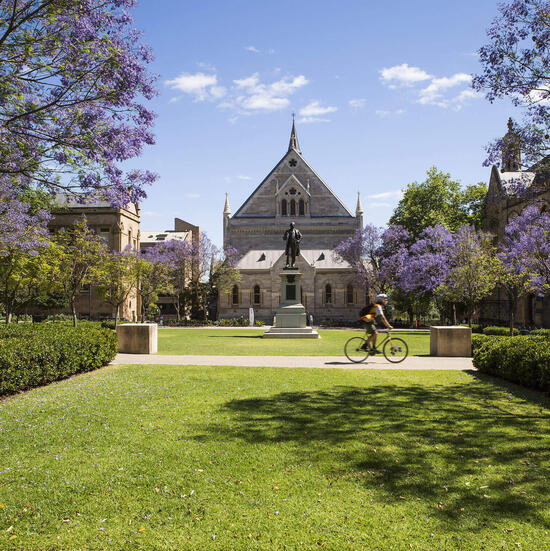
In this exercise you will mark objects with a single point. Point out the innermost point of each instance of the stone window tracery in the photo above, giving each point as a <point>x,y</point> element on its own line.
<point>235,295</point>
<point>292,207</point>
<point>328,293</point>
<point>256,296</point>
<point>283,207</point>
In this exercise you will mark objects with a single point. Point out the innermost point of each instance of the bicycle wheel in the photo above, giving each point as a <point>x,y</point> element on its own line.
<point>395,350</point>
<point>355,350</point>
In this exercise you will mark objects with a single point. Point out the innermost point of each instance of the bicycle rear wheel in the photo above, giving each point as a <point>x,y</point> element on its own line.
<point>395,350</point>
<point>355,350</point>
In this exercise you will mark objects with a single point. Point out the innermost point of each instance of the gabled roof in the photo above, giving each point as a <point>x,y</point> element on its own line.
<point>322,259</point>
<point>298,153</point>
<point>510,183</point>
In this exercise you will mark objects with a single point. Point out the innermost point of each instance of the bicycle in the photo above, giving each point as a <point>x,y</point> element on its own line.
<point>395,350</point>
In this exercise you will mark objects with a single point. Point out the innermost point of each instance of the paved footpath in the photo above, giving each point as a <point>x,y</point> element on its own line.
<point>338,362</point>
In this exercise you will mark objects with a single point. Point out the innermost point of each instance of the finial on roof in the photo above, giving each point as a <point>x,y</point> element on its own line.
<point>359,208</point>
<point>226,209</point>
<point>510,125</point>
<point>294,139</point>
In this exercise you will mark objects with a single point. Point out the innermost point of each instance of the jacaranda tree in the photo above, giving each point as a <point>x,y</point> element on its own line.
<point>73,74</point>
<point>516,64</point>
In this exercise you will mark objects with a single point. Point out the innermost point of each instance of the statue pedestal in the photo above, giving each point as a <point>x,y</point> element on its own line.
<point>291,319</point>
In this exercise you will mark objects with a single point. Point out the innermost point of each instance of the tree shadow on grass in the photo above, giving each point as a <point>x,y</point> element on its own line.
<point>459,447</point>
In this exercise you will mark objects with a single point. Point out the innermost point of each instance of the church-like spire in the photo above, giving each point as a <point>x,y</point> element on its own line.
<point>294,145</point>
<point>359,208</point>
<point>511,150</point>
<point>226,209</point>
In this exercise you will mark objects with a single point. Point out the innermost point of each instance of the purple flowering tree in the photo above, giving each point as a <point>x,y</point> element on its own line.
<point>73,73</point>
<point>23,236</point>
<point>472,269</point>
<point>528,240</point>
<point>362,252</point>
<point>516,64</point>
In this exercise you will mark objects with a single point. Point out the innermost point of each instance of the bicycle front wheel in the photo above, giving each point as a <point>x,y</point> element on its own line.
<point>395,350</point>
<point>356,350</point>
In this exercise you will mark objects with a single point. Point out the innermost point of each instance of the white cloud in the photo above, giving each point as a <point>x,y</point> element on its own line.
<point>200,85</point>
<point>357,103</point>
<point>403,75</point>
<point>395,194</point>
<point>383,113</point>
<point>243,177</point>
<point>314,109</point>
<point>252,49</point>
<point>247,95</point>
<point>433,94</point>
<point>259,96</point>
<point>308,120</point>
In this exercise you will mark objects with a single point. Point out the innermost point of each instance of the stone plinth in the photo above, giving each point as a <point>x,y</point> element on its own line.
<point>291,319</point>
<point>137,338</point>
<point>451,341</point>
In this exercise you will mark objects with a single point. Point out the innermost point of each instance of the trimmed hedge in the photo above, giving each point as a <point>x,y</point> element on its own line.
<point>497,330</point>
<point>523,359</point>
<point>33,355</point>
<point>540,332</point>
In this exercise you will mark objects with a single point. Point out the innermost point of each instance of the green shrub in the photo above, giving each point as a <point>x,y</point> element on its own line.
<point>524,360</point>
<point>502,331</point>
<point>259,323</point>
<point>476,328</point>
<point>540,332</point>
<point>37,354</point>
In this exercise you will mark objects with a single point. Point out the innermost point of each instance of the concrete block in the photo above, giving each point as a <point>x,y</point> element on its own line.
<point>137,338</point>
<point>451,341</point>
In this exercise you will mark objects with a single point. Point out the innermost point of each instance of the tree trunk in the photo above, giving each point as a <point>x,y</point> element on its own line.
<point>454,313</point>
<point>73,311</point>
<point>8,316</point>
<point>410,313</point>
<point>116,316</point>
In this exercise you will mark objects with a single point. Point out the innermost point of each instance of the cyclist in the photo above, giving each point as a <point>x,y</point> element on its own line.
<point>371,315</point>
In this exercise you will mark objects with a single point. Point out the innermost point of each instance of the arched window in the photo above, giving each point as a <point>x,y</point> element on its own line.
<point>235,295</point>
<point>292,207</point>
<point>301,207</point>
<point>257,295</point>
<point>328,293</point>
<point>349,293</point>
<point>283,207</point>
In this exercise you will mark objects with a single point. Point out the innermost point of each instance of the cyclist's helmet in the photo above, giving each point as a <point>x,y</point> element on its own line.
<point>381,297</point>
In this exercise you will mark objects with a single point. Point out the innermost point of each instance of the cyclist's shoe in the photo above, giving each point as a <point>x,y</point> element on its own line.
<point>373,351</point>
<point>365,347</point>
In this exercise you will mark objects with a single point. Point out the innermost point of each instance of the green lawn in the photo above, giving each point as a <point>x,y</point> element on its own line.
<point>165,458</point>
<point>249,342</point>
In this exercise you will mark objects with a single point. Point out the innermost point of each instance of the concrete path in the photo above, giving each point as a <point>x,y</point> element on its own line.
<point>338,362</point>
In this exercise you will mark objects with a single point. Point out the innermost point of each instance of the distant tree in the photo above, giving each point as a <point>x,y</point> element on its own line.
<point>516,64</point>
<point>153,277</point>
<point>439,201</point>
<point>223,274</point>
<point>80,253</point>
<point>73,74</point>
<point>117,278</point>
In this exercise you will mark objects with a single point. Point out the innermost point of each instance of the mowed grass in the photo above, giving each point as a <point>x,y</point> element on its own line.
<point>164,458</point>
<point>249,342</point>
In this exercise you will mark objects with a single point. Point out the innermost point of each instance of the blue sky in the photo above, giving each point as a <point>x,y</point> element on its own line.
<point>381,92</point>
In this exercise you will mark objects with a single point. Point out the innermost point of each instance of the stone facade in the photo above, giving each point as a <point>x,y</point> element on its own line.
<point>292,191</point>
<point>510,191</point>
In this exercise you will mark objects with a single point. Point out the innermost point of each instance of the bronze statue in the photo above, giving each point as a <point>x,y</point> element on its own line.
<point>292,237</point>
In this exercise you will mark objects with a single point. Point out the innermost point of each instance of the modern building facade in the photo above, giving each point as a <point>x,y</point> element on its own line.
<point>292,192</point>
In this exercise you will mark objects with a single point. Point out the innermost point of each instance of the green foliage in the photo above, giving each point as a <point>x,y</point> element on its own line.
<point>439,200</point>
<point>523,359</point>
<point>475,327</point>
<point>33,355</point>
<point>496,330</point>
<point>540,332</point>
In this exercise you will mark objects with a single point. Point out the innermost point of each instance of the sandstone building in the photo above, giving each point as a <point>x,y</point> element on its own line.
<point>292,191</point>
<point>119,228</point>
<point>510,190</point>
